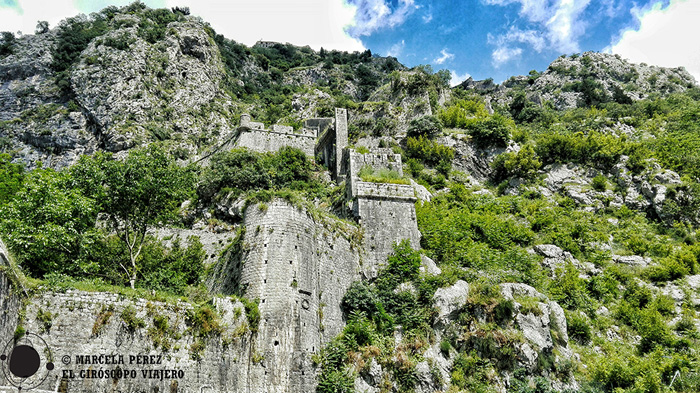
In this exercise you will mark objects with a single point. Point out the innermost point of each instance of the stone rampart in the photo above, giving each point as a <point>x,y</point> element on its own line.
<point>299,269</point>
<point>256,137</point>
<point>162,355</point>
<point>386,211</point>
<point>271,141</point>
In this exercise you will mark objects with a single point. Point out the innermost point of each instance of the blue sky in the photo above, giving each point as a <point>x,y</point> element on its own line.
<point>478,38</point>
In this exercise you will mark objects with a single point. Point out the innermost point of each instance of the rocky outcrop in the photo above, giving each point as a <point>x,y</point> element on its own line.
<point>555,260</point>
<point>450,299</point>
<point>126,91</point>
<point>540,324</point>
<point>616,79</point>
<point>472,160</point>
<point>153,91</point>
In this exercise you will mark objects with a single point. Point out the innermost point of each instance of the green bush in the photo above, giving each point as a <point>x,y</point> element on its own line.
<point>522,164</point>
<point>578,328</point>
<point>427,125</point>
<point>11,177</point>
<point>463,113</point>
<point>242,170</point>
<point>493,131</point>
<point>171,269</point>
<point>429,151</point>
<point>599,183</point>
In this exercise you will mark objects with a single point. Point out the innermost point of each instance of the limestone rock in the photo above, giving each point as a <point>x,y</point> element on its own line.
<point>111,89</point>
<point>511,290</point>
<point>422,193</point>
<point>428,266</point>
<point>450,299</point>
<point>632,260</point>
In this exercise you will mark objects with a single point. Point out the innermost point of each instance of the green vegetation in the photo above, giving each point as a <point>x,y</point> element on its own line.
<point>11,177</point>
<point>369,174</point>
<point>241,170</point>
<point>7,45</point>
<point>86,226</point>
<point>372,310</point>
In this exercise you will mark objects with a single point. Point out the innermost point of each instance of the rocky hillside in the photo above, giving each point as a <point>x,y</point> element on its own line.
<point>534,236</point>
<point>588,79</point>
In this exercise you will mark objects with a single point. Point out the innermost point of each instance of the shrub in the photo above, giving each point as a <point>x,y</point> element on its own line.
<point>171,269</point>
<point>426,125</point>
<point>245,170</point>
<point>493,131</point>
<point>578,328</point>
<point>522,164</point>
<point>131,321</point>
<point>526,111</point>
<point>463,113</point>
<point>7,45</point>
<point>11,177</point>
<point>599,183</point>
<point>359,298</point>
<point>429,151</point>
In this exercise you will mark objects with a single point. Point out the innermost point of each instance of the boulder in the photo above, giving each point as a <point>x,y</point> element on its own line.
<point>450,299</point>
<point>632,260</point>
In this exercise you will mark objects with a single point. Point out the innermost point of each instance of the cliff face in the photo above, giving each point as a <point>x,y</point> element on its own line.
<point>123,91</point>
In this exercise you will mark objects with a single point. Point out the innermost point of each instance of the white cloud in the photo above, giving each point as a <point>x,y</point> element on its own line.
<point>373,15</point>
<point>505,50</point>
<point>317,23</point>
<point>427,17</point>
<point>561,20</point>
<point>666,37</point>
<point>445,55</point>
<point>457,79</point>
<point>29,12</point>
<point>504,54</point>
<point>396,49</point>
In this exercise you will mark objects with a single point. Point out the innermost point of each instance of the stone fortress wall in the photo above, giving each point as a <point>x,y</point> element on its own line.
<point>77,323</point>
<point>386,211</point>
<point>296,265</point>
<point>256,137</point>
<point>299,270</point>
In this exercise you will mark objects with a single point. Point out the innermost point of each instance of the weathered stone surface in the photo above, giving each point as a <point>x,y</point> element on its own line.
<point>512,290</point>
<point>470,159</point>
<point>632,260</point>
<point>90,323</point>
<point>428,266</point>
<point>450,299</point>
<point>422,193</point>
<point>299,270</point>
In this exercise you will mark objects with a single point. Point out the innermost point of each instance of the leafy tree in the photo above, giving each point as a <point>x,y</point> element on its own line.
<point>7,45</point>
<point>47,222</point>
<point>172,269</point>
<point>143,190</point>
<point>42,27</point>
<point>11,176</point>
